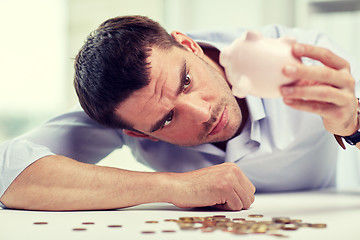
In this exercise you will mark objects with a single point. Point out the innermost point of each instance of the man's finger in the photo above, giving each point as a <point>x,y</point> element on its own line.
<point>323,55</point>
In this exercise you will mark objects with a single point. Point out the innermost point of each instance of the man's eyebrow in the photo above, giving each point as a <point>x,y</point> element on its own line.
<point>161,122</point>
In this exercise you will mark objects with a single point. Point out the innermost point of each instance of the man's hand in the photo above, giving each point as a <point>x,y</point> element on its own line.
<point>224,186</point>
<point>328,90</point>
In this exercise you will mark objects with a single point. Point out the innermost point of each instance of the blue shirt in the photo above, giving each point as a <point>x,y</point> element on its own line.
<point>280,149</point>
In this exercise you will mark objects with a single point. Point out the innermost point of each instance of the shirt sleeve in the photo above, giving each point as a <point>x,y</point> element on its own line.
<point>73,135</point>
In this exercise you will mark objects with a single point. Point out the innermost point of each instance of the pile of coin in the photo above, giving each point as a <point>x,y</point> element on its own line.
<point>242,226</point>
<point>277,226</point>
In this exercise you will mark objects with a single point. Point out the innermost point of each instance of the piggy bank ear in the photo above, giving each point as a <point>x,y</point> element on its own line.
<point>253,36</point>
<point>241,86</point>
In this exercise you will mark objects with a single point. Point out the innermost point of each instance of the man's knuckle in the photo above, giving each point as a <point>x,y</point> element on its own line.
<point>349,80</point>
<point>326,74</point>
<point>327,54</point>
<point>224,185</point>
<point>239,206</point>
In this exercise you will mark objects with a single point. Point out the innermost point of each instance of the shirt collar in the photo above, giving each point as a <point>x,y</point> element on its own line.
<point>256,113</point>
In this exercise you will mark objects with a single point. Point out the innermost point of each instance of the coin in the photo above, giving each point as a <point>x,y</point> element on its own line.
<point>278,235</point>
<point>295,220</point>
<point>318,225</point>
<point>88,223</point>
<point>152,222</point>
<point>207,230</point>
<point>40,223</point>
<point>289,227</point>
<point>79,229</point>
<point>255,215</point>
<point>147,232</point>
<point>303,224</point>
<point>114,226</point>
<point>281,219</point>
<point>168,231</point>
<point>170,220</point>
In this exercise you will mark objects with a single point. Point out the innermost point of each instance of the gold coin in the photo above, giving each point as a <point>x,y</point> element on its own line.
<point>303,224</point>
<point>256,215</point>
<point>238,219</point>
<point>219,216</point>
<point>207,229</point>
<point>318,225</point>
<point>295,220</point>
<point>289,227</point>
<point>186,226</point>
<point>281,219</point>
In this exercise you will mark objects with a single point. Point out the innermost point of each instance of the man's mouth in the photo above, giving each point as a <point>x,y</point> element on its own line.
<point>221,123</point>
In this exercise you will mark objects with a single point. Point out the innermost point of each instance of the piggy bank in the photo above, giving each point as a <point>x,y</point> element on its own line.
<point>253,64</point>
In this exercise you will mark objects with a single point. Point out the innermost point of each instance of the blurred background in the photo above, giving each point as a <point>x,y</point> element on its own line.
<point>40,38</point>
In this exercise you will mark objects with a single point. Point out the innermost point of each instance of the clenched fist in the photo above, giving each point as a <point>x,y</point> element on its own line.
<point>224,186</point>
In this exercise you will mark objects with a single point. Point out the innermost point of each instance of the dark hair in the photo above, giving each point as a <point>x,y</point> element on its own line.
<point>112,64</point>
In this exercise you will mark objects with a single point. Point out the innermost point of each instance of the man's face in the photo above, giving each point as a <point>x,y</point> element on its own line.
<point>188,101</point>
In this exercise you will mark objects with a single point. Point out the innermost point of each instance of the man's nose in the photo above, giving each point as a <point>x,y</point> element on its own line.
<point>196,108</point>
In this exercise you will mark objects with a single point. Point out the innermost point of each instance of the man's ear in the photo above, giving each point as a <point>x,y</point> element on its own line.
<point>139,135</point>
<point>188,43</point>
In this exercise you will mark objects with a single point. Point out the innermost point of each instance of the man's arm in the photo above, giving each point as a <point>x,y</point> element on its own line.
<point>60,183</point>
<point>327,90</point>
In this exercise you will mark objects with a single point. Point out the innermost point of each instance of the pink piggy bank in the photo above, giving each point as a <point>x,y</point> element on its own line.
<point>253,65</point>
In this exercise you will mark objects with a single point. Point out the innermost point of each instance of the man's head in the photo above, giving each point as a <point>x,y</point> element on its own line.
<point>113,63</point>
<point>170,91</point>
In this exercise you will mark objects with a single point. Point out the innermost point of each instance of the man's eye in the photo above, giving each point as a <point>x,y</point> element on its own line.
<point>187,81</point>
<point>168,119</point>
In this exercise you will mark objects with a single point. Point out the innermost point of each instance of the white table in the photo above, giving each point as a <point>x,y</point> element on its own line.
<point>340,210</point>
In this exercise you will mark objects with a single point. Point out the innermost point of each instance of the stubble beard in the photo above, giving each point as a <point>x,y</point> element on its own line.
<point>229,101</point>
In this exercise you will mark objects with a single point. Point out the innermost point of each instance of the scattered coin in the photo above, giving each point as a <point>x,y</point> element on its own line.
<point>318,225</point>
<point>114,226</point>
<point>148,232</point>
<point>278,235</point>
<point>88,223</point>
<point>168,231</point>
<point>79,229</point>
<point>170,220</point>
<point>40,223</point>
<point>256,216</point>
<point>152,222</point>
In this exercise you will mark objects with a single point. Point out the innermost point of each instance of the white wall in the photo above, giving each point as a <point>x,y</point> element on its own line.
<point>32,63</point>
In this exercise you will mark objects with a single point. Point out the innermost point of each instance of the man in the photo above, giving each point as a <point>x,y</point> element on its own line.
<point>168,99</point>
